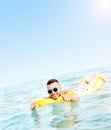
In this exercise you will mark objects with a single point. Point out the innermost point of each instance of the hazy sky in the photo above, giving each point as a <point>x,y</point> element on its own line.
<point>39,38</point>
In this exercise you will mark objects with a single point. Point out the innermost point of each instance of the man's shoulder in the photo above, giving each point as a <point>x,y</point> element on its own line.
<point>64,92</point>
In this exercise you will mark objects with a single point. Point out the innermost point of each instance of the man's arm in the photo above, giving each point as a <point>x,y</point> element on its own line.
<point>73,97</point>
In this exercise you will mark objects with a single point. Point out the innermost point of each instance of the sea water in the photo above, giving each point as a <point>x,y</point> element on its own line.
<point>92,112</point>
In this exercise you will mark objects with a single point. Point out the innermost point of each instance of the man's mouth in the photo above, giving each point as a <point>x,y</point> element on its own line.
<point>55,96</point>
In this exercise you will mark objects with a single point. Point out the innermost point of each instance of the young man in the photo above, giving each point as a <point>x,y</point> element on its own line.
<point>54,90</point>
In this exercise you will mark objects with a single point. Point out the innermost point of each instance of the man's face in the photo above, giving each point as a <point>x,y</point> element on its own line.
<point>54,90</point>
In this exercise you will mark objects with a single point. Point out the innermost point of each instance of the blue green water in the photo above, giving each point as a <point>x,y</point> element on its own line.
<point>92,112</point>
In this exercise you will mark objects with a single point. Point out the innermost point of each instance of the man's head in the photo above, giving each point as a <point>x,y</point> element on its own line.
<point>54,88</point>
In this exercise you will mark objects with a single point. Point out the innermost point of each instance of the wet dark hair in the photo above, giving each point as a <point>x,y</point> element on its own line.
<point>52,81</point>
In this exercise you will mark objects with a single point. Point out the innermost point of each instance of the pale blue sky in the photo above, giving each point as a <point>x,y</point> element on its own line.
<point>40,38</point>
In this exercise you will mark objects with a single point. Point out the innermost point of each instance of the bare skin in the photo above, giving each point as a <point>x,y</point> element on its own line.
<point>55,95</point>
<point>63,93</point>
<point>90,82</point>
<point>34,105</point>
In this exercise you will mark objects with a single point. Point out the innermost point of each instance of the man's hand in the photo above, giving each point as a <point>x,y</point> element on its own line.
<point>66,98</point>
<point>73,98</point>
<point>34,105</point>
